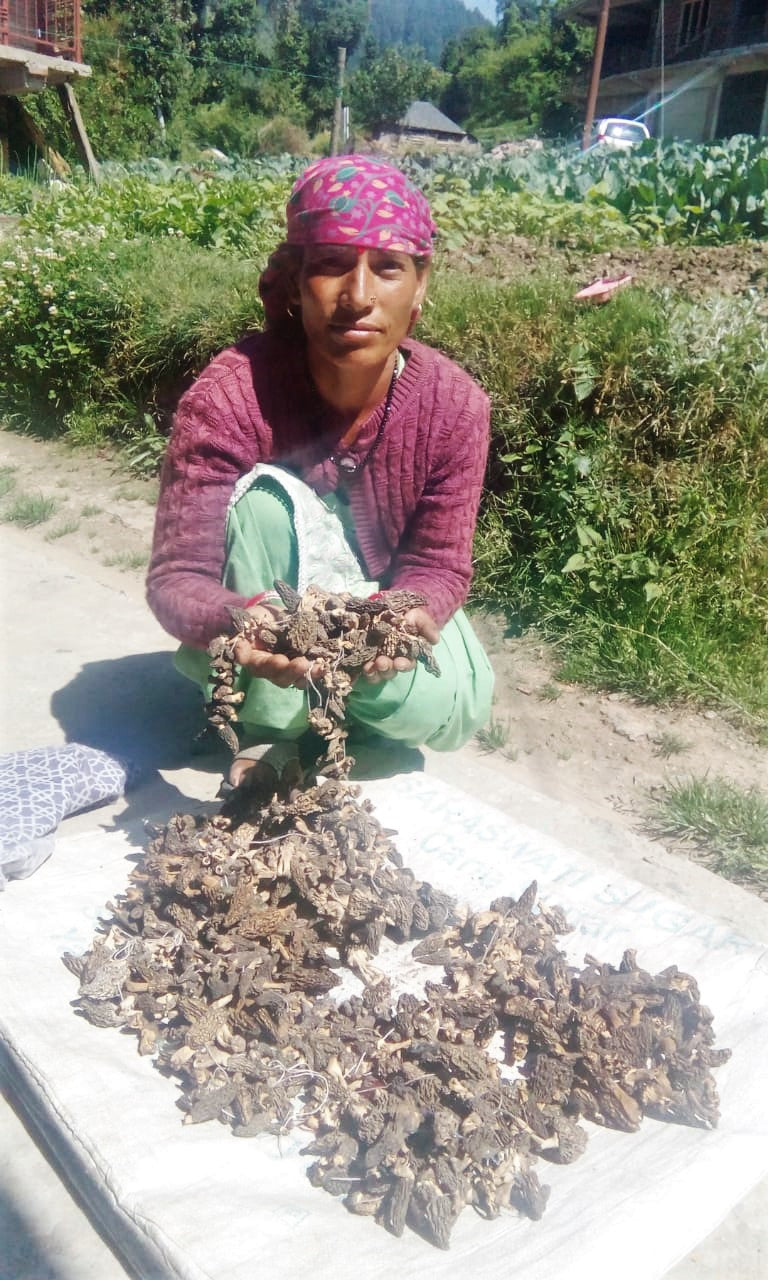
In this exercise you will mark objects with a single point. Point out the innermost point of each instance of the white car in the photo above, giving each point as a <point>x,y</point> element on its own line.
<point>620,134</point>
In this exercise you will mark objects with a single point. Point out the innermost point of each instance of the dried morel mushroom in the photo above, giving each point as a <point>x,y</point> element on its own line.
<point>338,633</point>
<point>222,956</point>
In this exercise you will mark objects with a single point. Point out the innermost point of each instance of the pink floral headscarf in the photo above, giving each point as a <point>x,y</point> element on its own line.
<point>347,200</point>
<point>359,201</point>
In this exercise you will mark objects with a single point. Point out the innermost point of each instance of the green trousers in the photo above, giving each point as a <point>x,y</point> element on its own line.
<point>287,532</point>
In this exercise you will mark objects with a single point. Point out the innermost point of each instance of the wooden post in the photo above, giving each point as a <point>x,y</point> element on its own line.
<point>597,66</point>
<point>77,129</point>
<point>337,113</point>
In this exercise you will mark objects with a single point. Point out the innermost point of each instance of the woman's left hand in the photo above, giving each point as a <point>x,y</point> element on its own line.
<point>421,623</point>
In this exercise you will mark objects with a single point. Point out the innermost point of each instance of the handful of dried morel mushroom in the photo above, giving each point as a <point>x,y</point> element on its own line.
<point>339,634</point>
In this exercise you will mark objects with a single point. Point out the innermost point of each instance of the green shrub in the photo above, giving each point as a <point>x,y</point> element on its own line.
<point>229,127</point>
<point>218,212</point>
<point>628,475</point>
<point>98,334</point>
<point>283,136</point>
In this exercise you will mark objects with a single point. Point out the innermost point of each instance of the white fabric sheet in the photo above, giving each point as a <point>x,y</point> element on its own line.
<point>195,1203</point>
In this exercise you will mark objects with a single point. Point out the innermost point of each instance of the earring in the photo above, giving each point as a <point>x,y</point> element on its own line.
<point>415,318</point>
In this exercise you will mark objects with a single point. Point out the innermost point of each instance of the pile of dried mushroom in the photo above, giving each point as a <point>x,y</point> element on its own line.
<point>224,950</point>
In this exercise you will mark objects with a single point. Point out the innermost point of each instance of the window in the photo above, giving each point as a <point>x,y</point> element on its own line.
<point>693,20</point>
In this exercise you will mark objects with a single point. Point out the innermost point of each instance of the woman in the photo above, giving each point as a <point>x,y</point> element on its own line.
<point>332,448</point>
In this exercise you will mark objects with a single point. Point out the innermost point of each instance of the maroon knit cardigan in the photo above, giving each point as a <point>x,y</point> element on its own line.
<point>414,498</point>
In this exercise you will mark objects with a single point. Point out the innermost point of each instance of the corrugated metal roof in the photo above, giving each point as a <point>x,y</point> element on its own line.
<point>423,115</point>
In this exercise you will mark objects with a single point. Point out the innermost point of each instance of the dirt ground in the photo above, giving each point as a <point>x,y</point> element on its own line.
<point>693,271</point>
<point>604,753</point>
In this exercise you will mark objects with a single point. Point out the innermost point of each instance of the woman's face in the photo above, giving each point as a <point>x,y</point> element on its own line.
<point>357,305</point>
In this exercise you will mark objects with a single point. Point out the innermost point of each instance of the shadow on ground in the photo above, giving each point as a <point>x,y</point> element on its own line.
<point>139,709</point>
<point>136,707</point>
<point>25,1254</point>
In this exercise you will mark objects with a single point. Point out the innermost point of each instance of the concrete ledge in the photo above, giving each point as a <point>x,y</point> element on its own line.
<point>24,71</point>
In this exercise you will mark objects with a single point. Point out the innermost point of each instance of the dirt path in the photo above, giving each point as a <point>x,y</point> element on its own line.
<point>603,753</point>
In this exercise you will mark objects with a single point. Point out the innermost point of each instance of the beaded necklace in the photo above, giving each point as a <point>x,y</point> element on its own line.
<point>346,464</point>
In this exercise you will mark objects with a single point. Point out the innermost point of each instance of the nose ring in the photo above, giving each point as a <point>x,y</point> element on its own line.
<point>373,298</point>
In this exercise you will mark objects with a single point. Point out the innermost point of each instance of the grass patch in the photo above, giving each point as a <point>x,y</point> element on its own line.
<point>127,560</point>
<point>61,530</point>
<point>28,510</point>
<point>729,823</point>
<point>494,736</point>
<point>669,744</point>
<point>7,480</point>
<point>91,509</point>
<point>132,493</point>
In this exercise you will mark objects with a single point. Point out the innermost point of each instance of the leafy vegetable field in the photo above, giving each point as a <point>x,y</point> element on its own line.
<point>628,489</point>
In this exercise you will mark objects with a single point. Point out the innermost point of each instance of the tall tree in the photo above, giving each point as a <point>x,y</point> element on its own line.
<point>284,86</point>
<point>421,24</point>
<point>329,24</point>
<point>232,46</point>
<point>160,32</point>
<point>520,73</point>
<point>386,81</point>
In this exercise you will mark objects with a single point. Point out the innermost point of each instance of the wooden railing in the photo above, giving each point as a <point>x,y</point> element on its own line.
<point>51,27</point>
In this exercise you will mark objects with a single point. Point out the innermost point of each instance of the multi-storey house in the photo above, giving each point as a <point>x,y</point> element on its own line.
<point>694,69</point>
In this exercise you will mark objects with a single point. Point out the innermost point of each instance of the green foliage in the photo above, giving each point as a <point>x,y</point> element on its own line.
<point>217,211</point>
<point>427,25</point>
<point>158,33</point>
<point>158,66</point>
<point>230,47</point>
<point>668,191</point>
<point>520,71</point>
<point>283,87</point>
<point>29,509</point>
<point>386,82</point>
<point>728,822</point>
<point>282,136</point>
<point>629,467</point>
<point>116,101</point>
<point>495,735</point>
<point>99,334</point>
<point>467,218</point>
<point>230,129</point>
<point>328,24</point>
<point>17,195</point>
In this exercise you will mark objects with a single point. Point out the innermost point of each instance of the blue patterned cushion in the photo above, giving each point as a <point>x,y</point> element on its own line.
<point>41,786</point>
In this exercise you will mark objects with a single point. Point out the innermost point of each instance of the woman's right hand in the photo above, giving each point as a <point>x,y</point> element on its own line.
<point>284,672</point>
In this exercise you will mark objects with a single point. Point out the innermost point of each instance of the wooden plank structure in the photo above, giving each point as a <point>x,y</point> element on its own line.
<point>40,48</point>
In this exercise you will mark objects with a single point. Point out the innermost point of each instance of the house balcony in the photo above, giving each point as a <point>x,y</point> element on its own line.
<point>47,27</point>
<point>39,45</point>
